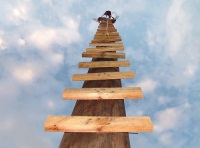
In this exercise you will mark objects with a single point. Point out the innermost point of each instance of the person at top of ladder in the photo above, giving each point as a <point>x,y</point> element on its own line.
<point>107,15</point>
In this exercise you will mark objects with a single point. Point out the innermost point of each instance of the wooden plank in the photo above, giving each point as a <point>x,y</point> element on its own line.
<point>106,44</point>
<point>105,40</point>
<point>103,49</point>
<point>102,93</point>
<point>100,124</point>
<point>103,31</point>
<point>104,27</point>
<point>102,108</point>
<point>104,64</point>
<point>103,76</point>
<point>109,29</point>
<point>110,34</point>
<point>103,55</point>
<point>104,37</point>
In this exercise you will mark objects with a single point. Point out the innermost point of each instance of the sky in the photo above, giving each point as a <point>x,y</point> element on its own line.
<point>41,43</point>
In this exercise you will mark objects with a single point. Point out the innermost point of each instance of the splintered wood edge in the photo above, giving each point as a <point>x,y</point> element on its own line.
<point>101,124</point>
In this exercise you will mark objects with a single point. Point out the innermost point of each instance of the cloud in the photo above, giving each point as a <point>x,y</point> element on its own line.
<point>167,119</point>
<point>21,42</point>
<point>170,118</point>
<point>177,27</point>
<point>2,44</point>
<point>44,37</point>
<point>148,85</point>
<point>190,70</point>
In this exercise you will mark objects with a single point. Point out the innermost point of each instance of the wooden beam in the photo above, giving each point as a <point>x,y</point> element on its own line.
<point>104,64</point>
<point>103,55</point>
<point>103,76</point>
<point>105,40</point>
<point>110,37</point>
<point>98,108</point>
<point>102,93</point>
<point>99,124</point>
<point>103,31</point>
<point>103,34</point>
<point>104,27</point>
<point>106,44</point>
<point>111,29</point>
<point>104,49</point>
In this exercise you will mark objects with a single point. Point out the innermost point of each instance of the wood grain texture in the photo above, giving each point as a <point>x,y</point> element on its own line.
<point>103,31</point>
<point>106,44</point>
<point>110,34</point>
<point>97,124</point>
<point>103,76</point>
<point>110,37</point>
<point>103,55</point>
<point>104,49</point>
<point>98,108</point>
<point>106,40</point>
<point>104,27</point>
<point>104,64</point>
<point>112,29</point>
<point>102,93</point>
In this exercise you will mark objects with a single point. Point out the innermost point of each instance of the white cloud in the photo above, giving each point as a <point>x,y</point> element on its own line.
<point>2,44</point>
<point>24,74</point>
<point>190,70</point>
<point>177,26</point>
<point>166,138</point>
<point>167,119</point>
<point>19,12</point>
<point>44,37</point>
<point>148,85</point>
<point>21,42</point>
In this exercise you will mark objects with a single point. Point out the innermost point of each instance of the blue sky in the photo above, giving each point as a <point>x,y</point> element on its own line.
<point>40,47</point>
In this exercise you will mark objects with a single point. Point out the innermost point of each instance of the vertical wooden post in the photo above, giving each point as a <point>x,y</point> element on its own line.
<point>98,108</point>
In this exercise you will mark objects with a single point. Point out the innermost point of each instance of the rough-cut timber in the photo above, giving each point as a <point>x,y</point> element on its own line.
<point>103,76</point>
<point>109,29</point>
<point>97,124</point>
<point>110,37</point>
<point>105,40</point>
<point>103,55</point>
<point>106,44</point>
<point>110,34</point>
<point>98,108</point>
<point>102,93</point>
<point>104,49</point>
<point>104,64</point>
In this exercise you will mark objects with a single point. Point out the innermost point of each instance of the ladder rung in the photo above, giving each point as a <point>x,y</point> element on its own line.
<point>104,64</point>
<point>103,31</point>
<point>104,49</point>
<point>102,93</point>
<point>105,40</point>
<point>100,124</point>
<point>103,55</point>
<point>105,23</point>
<point>110,34</point>
<point>106,44</point>
<point>109,29</point>
<point>104,27</point>
<point>110,37</point>
<point>103,76</point>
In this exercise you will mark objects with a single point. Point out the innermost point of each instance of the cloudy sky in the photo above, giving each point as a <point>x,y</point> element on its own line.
<point>41,42</point>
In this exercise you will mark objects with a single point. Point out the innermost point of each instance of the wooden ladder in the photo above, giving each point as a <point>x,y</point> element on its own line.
<point>106,44</point>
